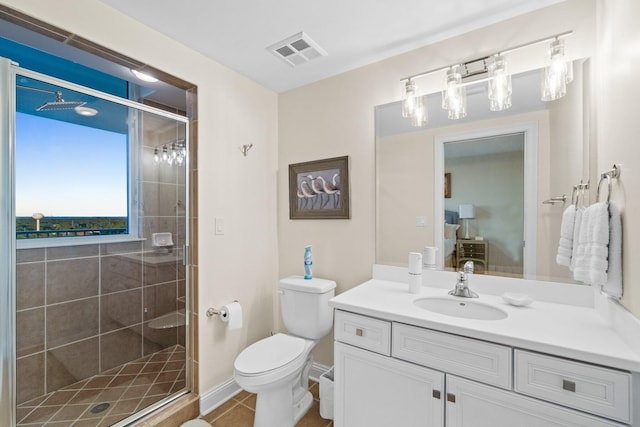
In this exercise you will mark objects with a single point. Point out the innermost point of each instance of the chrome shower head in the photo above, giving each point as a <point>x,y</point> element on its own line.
<point>60,104</point>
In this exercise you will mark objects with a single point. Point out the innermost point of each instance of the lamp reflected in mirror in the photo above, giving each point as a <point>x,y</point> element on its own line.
<point>465,213</point>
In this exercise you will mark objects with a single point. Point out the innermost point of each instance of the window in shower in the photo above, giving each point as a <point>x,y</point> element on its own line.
<point>73,165</point>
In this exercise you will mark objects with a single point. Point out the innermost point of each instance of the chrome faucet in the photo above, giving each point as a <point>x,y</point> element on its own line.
<point>462,286</point>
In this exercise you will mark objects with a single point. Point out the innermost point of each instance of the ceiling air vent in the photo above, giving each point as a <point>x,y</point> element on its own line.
<point>297,49</point>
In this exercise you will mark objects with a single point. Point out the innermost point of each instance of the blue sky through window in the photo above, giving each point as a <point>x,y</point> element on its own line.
<point>66,169</point>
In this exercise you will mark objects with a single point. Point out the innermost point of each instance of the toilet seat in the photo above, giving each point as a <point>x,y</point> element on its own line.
<point>271,361</point>
<point>270,354</point>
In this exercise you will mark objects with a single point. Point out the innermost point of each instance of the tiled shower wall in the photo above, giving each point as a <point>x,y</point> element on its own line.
<point>82,310</point>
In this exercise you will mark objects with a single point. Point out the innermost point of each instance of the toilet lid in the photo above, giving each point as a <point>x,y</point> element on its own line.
<point>268,354</point>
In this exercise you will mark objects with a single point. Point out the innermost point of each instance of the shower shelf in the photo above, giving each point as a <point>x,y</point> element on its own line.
<point>169,320</point>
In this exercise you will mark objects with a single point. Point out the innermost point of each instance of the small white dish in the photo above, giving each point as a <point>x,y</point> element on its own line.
<point>519,300</point>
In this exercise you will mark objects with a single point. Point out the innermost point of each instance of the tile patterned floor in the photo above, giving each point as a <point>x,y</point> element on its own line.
<point>240,410</point>
<point>127,389</point>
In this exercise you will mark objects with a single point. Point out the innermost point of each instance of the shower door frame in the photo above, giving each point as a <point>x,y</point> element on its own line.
<point>7,247</point>
<point>8,72</point>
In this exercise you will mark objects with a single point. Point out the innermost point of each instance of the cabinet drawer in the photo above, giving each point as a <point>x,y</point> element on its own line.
<point>466,357</point>
<point>364,332</point>
<point>590,388</point>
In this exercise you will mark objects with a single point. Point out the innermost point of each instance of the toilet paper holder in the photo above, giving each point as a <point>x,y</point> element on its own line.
<point>215,312</point>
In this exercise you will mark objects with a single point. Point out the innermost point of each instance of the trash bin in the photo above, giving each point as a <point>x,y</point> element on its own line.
<point>326,395</point>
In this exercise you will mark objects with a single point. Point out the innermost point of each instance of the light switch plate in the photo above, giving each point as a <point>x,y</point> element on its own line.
<point>421,221</point>
<point>219,224</point>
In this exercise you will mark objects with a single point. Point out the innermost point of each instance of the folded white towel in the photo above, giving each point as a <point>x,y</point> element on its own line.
<point>613,286</point>
<point>598,246</point>
<point>591,262</point>
<point>565,245</point>
<point>579,261</point>
<point>577,222</point>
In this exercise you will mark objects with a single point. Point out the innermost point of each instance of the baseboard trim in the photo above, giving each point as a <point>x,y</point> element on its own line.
<point>219,394</point>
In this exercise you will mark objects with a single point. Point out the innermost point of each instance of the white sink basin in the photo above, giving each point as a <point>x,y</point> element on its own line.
<point>460,307</point>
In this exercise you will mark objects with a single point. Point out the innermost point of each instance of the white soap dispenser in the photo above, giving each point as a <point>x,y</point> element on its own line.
<point>415,272</point>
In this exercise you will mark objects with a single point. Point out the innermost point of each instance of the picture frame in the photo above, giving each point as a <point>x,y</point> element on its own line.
<point>319,189</point>
<point>447,185</point>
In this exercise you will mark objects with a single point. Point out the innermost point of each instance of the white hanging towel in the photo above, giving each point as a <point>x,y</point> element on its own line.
<point>591,262</point>
<point>565,245</point>
<point>598,246</point>
<point>579,261</point>
<point>577,223</point>
<point>613,287</point>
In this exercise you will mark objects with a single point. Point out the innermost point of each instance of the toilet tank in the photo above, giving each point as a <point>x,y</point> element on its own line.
<point>305,306</point>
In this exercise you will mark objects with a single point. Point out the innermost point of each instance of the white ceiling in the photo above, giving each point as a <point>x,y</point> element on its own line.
<point>354,33</point>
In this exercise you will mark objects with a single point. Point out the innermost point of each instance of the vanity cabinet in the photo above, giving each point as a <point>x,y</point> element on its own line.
<point>393,374</point>
<point>473,404</point>
<point>378,391</point>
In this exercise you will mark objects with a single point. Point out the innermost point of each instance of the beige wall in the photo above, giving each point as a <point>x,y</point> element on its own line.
<point>242,263</point>
<point>335,117</point>
<point>618,127</point>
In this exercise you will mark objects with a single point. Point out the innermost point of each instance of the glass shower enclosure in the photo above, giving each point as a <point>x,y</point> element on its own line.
<point>94,236</point>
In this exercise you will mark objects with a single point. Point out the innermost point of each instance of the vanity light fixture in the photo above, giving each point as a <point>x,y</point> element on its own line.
<point>492,69</point>
<point>499,84</point>
<point>454,97</point>
<point>419,117</point>
<point>413,104</point>
<point>557,74</point>
<point>409,95</point>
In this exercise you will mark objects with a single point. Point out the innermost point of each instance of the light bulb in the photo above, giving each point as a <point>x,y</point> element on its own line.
<point>454,97</point>
<point>557,74</point>
<point>409,99</point>
<point>165,155</point>
<point>156,157</point>
<point>499,85</point>
<point>419,117</point>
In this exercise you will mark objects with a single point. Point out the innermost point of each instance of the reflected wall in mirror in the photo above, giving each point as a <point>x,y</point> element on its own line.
<point>487,200</point>
<point>550,153</point>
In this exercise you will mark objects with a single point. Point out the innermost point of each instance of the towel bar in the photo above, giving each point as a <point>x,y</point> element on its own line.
<point>554,200</point>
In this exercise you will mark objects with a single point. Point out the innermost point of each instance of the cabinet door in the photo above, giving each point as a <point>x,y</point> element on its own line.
<point>372,390</point>
<point>472,404</point>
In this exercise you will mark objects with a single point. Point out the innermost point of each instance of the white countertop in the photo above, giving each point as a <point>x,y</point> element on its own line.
<point>575,332</point>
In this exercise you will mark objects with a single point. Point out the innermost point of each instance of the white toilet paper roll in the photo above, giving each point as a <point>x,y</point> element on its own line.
<point>232,314</point>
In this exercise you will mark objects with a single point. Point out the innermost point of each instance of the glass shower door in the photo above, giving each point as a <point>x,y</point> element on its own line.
<point>99,210</point>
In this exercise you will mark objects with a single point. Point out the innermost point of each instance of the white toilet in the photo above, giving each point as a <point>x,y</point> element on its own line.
<point>277,368</point>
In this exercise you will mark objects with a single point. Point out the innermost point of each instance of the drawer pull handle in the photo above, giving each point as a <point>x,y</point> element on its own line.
<point>568,385</point>
<point>436,394</point>
<point>451,397</point>
<point>359,332</point>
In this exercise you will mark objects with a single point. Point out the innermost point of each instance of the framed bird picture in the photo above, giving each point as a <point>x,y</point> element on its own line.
<point>319,189</point>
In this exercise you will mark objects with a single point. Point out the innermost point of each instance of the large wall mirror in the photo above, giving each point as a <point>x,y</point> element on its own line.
<point>476,187</point>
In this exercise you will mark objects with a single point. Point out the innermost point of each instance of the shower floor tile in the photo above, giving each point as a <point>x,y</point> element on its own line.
<point>126,389</point>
